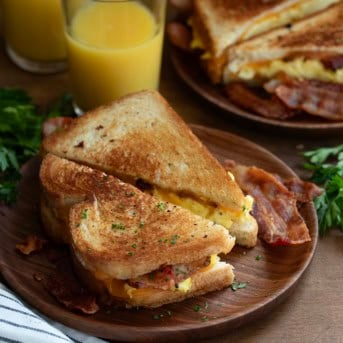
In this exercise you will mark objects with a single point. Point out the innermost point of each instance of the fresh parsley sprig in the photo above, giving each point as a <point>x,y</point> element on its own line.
<point>326,165</point>
<point>20,134</point>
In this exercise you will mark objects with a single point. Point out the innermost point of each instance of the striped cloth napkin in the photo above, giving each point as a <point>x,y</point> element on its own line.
<point>19,323</point>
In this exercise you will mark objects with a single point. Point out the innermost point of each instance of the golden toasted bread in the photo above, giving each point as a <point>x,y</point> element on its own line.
<point>120,242</point>
<point>130,235</point>
<point>141,140</point>
<point>222,23</point>
<point>296,50</point>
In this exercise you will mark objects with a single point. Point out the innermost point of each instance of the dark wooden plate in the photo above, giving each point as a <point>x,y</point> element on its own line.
<point>269,280</point>
<point>190,71</point>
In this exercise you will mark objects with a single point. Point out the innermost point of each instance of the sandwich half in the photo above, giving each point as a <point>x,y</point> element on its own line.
<point>222,23</point>
<point>142,141</point>
<point>301,65</point>
<point>131,248</point>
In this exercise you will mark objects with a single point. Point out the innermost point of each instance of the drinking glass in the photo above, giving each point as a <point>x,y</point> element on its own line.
<point>114,48</point>
<point>34,34</point>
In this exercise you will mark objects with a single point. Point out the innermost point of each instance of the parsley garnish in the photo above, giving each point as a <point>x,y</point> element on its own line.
<point>174,239</point>
<point>238,285</point>
<point>161,315</point>
<point>134,245</point>
<point>161,206</point>
<point>119,226</point>
<point>258,257</point>
<point>129,194</point>
<point>326,165</point>
<point>20,135</point>
<point>197,308</point>
<point>130,253</point>
<point>141,224</point>
<point>84,214</point>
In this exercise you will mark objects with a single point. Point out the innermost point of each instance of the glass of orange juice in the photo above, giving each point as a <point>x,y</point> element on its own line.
<point>34,34</point>
<point>114,48</point>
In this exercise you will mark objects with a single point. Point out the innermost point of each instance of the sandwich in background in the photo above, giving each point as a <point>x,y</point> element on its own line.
<point>302,64</point>
<point>216,25</point>
<point>142,141</point>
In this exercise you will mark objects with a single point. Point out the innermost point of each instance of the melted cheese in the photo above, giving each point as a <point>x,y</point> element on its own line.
<point>216,214</point>
<point>287,15</point>
<point>298,68</point>
<point>121,289</point>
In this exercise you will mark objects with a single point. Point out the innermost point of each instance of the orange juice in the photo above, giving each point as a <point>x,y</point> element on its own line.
<point>34,29</point>
<point>114,49</point>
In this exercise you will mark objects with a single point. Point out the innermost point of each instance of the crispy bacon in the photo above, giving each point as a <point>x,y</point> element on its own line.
<point>275,207</point>
<point>167,277</point>
<point>70,294</point>
<point>323,99</point>
<point>31,244</point>
<point>244,97</point>
<point>333,62</point>
<point>52,124</point>
<point>179,35</point>
<point>303,191</point>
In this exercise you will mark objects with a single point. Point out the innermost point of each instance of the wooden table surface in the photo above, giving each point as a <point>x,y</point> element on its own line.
<point>314,313</point>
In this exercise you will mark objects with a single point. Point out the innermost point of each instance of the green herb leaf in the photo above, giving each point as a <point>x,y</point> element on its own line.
<point>238,285</point>
<point>329,205</point>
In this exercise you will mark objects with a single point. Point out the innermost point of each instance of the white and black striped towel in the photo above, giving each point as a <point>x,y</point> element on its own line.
<point>18,323</point>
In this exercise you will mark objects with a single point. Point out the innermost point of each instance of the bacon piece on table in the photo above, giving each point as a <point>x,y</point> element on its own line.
<point>323,99</point>
<point>57,123</point>
<point>275,206</point>
<point>244,97</point>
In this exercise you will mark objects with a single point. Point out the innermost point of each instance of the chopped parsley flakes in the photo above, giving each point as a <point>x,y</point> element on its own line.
<point>174,239</point>
<point>258,257</point>
<point>238,285</point>
<point>161,206</point>
<point>141,224</point>
<point>119,226</point>
<point>84,214</point>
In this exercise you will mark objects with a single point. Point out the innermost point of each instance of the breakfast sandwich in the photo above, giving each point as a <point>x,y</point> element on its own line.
<point>142,141</point>
<point>218,24</point>
<point>130,247</point>
<point>301,64</point>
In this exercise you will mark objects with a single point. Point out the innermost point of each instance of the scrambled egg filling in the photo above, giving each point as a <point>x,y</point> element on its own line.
<point>121,289</point>
<point>298,68</point>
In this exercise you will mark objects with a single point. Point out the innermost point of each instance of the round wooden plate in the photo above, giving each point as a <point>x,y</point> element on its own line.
<point>269,280</point>
<point>190,71</point>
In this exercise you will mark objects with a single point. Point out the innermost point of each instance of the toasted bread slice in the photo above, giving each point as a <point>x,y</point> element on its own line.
<point>63,184</point>
<point>140,139</point>
<point>131,234</point>
<point>128,236</point>
<point>296,50</point>
<point>219,24</point>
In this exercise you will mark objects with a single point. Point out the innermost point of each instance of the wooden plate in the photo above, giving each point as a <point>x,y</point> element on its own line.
<point>269,280</point>
<point>188,68</point>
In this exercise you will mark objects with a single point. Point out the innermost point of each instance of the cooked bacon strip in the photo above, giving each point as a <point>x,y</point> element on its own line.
<point>244,97</point>
<point>57,123</point>
<point>179,35</point>
<point>275,207</point>
<point>323,99</point>
<point>70,294</point>
<point>304,191</point>
<point>168,276</point>
<point>333,62</point>
<point>31,244</point>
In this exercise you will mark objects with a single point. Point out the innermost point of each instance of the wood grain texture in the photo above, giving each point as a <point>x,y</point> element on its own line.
<point>188,68</point>
<point>270,279</point>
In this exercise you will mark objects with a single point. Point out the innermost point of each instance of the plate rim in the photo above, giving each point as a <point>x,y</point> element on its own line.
<point>221,324</point>
<point>220,101</point>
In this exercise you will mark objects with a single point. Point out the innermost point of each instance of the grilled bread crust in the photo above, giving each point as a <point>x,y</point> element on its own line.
<point>214,279</point>
<point>222,23</point>
<point>317,36</point>
<point>141,137</point>
<point>128,236</point>
<point>63,184</point>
